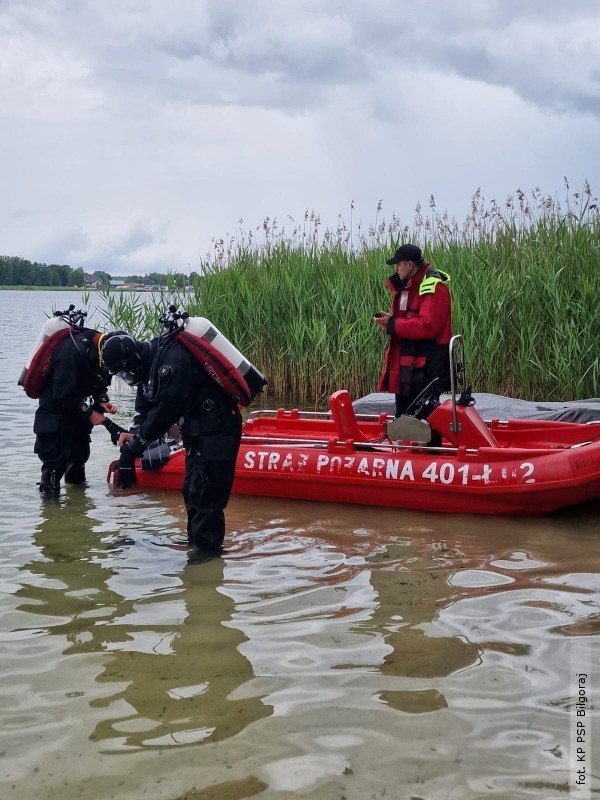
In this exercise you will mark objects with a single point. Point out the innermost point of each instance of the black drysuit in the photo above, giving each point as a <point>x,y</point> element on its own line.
<point>211,428</point>
<point>61,425</point>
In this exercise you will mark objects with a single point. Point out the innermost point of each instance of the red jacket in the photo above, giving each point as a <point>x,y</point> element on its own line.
<point>420,332</point>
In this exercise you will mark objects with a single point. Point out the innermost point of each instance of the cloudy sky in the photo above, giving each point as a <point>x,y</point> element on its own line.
<point>133,133</point>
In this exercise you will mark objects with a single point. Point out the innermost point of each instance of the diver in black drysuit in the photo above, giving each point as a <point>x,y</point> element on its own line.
<point>179,390</point>
<point>70,404</point>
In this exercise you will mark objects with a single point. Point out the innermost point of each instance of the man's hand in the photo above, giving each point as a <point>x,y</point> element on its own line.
<point>124,437</point>
<point>96,418</point>
<point>125,476</point>
<point>110,408</point>
<point>382,320</point>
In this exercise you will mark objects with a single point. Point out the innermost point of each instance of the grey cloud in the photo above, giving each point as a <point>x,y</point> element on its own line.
<point>60,246</point>
<point>292,54</point>
<point>137,237</point>
<point>204,112</point>
<point>545,52</point>
<point>115,248</point>
<point>319,54</point>
<point>532,48</point>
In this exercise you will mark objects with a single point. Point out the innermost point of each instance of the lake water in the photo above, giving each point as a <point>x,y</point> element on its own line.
<point>333,652</point>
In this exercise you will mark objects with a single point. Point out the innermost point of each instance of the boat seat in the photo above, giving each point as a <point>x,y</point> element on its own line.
<point>344,417</point>
<point>472,433</point>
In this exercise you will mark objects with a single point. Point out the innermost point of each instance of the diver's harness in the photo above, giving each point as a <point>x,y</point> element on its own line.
<point>213,352</point>
<point>70,322</point>
<point>170,327</point>
<point>229,378</point>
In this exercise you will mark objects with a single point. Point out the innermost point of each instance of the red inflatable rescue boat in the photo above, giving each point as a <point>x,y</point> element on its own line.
<point>520,467</point>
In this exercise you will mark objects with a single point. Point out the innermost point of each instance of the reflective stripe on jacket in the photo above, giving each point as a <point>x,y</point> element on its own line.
<point>418,348</point>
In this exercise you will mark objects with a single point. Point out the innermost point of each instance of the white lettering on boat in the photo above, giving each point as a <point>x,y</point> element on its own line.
<point>407,471</point>
<point>485,476</point>
<point>386,468</point>
<point>527,472</point>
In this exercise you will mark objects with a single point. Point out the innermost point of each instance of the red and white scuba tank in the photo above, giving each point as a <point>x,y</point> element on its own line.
<point>221,359</point>
<point>34,373</point>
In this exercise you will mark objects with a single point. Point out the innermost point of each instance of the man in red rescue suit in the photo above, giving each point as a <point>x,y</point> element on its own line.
<point>173,386</point>
<point>73,400</point>
<point>420,329</point>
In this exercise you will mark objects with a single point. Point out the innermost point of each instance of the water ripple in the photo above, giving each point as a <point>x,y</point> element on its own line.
<point>332,651</point>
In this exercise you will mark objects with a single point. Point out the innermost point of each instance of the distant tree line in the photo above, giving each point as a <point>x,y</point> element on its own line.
<point>15,271</point>
<point>178,279</point>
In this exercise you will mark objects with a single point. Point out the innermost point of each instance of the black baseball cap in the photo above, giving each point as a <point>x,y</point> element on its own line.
<point>407,252</point>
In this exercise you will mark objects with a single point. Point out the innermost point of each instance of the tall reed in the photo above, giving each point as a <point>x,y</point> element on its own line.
<point>525,282</point>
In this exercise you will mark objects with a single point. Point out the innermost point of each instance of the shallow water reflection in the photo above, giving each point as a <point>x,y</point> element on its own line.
<point>333,652</point>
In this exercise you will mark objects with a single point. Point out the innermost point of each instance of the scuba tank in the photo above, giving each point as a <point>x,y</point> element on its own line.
<point>221,360</point>
<point>52,325</point>
<point>204,329</point>
<point>56,327</point>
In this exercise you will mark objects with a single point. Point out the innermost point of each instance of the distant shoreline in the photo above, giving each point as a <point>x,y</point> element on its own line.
<point>47,289</point>
<point>78,289</point>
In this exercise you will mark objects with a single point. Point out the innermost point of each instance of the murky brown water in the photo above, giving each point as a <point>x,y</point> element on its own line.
<point>334,652</point>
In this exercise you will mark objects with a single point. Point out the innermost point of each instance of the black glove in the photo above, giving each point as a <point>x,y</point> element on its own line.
<point>113,429</point>
<point>125,474</point>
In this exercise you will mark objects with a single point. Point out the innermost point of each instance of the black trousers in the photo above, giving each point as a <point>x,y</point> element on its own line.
<point>403,401</point>
<point>62,443</point>
<point>209,474</point>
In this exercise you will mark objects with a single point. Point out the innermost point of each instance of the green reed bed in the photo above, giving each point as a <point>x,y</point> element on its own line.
<point>298,303</point>
<point>135,313</point>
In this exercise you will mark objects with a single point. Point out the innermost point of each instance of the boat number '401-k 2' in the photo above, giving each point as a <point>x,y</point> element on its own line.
<point>444,472</point>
